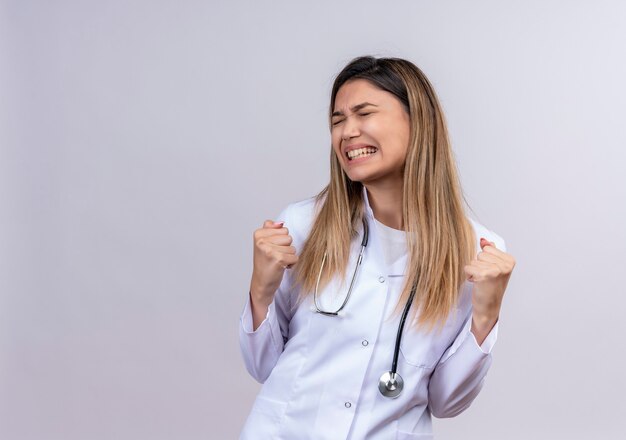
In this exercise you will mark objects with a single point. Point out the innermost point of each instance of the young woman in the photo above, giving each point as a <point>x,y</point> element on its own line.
<point>389,311</point>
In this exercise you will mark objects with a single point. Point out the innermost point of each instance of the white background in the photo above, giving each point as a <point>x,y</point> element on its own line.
<point>142,142</point>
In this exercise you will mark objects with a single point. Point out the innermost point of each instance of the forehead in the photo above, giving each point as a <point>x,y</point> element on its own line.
<point>359,90</point>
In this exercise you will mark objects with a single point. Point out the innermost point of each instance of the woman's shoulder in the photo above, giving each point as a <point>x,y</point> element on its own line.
<point>482,231</point>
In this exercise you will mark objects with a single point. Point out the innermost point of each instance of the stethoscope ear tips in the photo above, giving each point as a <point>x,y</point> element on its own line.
<point>390,384</point>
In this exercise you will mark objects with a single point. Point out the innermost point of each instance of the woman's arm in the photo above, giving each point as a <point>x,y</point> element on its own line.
<point>490,272</point>
<point>482,326</point>
<point>262,344</point>
<point>259,307</point>
<point>264,322</point>
<point>460,374</point>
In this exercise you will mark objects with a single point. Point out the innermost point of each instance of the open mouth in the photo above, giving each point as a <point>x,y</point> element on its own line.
<point>361,152</point>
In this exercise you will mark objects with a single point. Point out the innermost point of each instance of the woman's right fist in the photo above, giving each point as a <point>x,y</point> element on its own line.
<point>273,254</point>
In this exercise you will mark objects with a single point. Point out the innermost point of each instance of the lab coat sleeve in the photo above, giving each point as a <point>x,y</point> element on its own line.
<point>460,374</point>
<point>262,347</point>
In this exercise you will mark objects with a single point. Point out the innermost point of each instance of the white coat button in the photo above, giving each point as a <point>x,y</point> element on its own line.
<point>364,342</point>
<point>381,279</point>
<point>347,404</point>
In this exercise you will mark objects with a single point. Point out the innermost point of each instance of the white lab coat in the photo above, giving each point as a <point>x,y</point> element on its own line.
<point>320,374</point>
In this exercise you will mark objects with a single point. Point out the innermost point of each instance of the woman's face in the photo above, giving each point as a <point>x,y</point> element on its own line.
<point>367,119</point>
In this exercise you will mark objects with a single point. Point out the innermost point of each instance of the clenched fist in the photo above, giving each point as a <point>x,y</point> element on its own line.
<point>273,254</point>
<point>490,272</point>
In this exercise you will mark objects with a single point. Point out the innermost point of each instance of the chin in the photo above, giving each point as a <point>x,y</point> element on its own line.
<point>359,177</point>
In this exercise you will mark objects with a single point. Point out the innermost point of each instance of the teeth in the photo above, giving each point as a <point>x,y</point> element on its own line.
<point>353,154</point>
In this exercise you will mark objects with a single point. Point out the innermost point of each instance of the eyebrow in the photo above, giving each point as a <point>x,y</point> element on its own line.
<point>354,108</point>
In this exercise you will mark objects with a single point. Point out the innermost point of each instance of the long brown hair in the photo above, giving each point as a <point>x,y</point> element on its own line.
<point>440,238</point>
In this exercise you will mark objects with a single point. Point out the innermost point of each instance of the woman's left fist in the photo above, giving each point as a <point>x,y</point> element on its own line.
<point>490,272</point>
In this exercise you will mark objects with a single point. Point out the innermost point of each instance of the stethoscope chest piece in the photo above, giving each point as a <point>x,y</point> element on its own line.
<point>390,384</point>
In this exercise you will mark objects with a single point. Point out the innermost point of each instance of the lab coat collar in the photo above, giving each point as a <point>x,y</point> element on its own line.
<point>376,250</point>
<point>368,209</point>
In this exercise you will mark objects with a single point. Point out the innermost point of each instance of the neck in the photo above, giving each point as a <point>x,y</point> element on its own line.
<point>386,204</point>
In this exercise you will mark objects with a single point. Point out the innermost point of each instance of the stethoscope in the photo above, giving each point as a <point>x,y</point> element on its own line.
<point>390,383</point>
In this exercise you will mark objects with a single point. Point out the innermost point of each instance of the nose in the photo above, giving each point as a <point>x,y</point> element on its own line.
<point>350,129</point>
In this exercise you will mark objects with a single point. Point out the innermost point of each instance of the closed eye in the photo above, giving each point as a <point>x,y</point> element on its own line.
<point>360,114</point>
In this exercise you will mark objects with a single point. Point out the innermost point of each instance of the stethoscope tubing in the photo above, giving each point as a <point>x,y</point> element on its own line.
<point>394,364</point>
<point>390,383</point>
